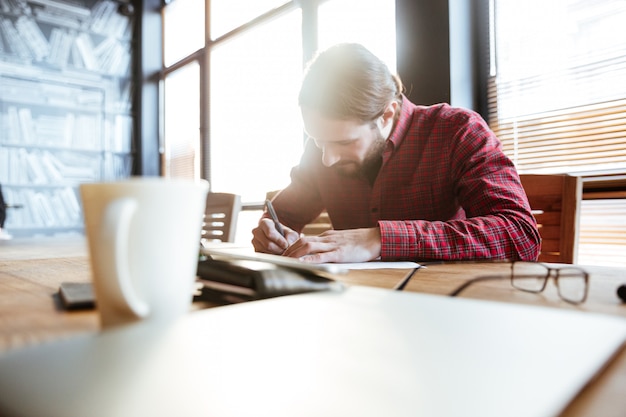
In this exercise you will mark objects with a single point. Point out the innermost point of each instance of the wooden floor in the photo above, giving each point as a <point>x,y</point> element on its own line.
<point>43,247</point>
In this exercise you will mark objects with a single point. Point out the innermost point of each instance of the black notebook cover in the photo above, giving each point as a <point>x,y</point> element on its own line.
<point>256,280</point>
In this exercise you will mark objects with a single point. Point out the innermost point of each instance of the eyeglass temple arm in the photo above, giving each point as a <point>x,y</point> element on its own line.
<point>400,286</point>
<point>474,280</point>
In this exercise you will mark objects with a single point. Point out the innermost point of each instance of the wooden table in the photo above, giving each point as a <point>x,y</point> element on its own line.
<point>31,271</point>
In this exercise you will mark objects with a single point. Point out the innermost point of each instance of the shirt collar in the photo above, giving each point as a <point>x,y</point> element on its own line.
<point>401,128</point>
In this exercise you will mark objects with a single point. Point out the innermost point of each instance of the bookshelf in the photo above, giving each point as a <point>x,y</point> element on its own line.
<point>66,114</point>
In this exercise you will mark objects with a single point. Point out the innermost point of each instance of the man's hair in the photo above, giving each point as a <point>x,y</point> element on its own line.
<point>347,81</point>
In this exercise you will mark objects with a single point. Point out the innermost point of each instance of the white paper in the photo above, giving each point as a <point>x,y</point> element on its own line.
<point>380,265</point>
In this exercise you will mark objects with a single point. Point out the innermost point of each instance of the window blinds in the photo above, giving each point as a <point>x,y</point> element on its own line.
<point>557,91</point>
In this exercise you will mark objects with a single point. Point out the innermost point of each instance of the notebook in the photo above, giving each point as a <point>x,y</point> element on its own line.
<point>359,352</point>
<point>284,261</point>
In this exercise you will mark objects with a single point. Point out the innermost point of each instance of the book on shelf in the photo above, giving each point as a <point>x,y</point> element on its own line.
<point>26,125</point>
<point>13,127</point>
<point>85,48</point>
<point>58,18</point>
<point>70,203</point>
<point>80,131</point>
<point>34,217</point>
<point>75,167</point>
<point>33,37</point>
<point>14,40</point>
<point>111,56</point>
<point>43,167</point>
<point>35,168</point>
<point>90,98</point>
<point>101,14</point>
<point>124,101</point>
<point>106,20</point>
<point>15,6</point>
<point>4,165</point>
<point>2,43</point>
<point>76,59</point>
<point>61,215</point>
<point>68,8</point>
<point>55,207</point>
<point>15,171</point>
<point>50,165</point>
<point>119,133</point>
<point>60,46</point>
<point>86,134</point>
<point>68,131</point>
<point>117,166</point>
<point>50,130</point>
<point>41,205</point>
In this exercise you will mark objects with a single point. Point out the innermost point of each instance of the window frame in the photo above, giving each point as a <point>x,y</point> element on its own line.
<point>203,58</point>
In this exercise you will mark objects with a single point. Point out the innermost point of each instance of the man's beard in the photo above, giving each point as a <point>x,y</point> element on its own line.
<point>370,165</point>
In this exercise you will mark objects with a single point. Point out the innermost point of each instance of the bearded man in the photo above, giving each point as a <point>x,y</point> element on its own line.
<point>399,181</point>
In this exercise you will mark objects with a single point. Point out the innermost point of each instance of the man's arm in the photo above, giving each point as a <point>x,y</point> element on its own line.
<point>486,237</point>
<point>498,222</point>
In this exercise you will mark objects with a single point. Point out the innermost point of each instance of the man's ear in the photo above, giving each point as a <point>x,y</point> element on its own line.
<point>389,113</point>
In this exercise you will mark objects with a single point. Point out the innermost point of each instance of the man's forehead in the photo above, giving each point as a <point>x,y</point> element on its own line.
<point>325,128</point>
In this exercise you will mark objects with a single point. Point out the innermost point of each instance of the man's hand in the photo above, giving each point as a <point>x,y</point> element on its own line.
<point>266,238</point>
<point>354,245</point>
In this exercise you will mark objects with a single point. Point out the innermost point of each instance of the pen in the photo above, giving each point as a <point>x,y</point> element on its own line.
<point>270,210</point>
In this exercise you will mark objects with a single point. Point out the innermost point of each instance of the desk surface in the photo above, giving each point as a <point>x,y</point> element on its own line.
<point>31,271</point>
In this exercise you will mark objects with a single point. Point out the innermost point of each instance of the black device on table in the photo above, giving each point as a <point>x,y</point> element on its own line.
<point>224,282</point>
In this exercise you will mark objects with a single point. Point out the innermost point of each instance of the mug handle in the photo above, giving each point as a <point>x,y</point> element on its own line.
<point>115,234</point>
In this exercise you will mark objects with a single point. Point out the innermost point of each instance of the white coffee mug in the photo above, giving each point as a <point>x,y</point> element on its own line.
<point>144,236</point>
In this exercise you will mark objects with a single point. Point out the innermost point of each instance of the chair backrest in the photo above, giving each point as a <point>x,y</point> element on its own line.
<point>317,226</point>
<point>220,217</point>
<point>555,202</point>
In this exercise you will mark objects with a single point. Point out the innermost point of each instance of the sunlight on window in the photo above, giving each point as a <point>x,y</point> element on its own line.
<point>184,29</point>
<point>602,231</point>
<point>256,132</point>
<point>373,26</point>
<point>567,55</point>
<point>182,115</point>
<point>226,15</point>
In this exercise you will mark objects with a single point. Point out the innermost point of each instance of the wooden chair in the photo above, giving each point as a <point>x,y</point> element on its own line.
<point>555,202</point>
<point>319,225</point>
<point>220,217</point>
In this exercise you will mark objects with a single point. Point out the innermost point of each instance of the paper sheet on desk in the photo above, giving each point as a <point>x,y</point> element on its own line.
<point>334,268</point>
<point>380,265</point>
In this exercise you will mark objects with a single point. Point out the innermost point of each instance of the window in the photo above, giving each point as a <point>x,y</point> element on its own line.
<point>373,26</point>
<point>184,21</point>
<point>241,74</point>
<point>557,96</point>
<point>181,122</point>
<point>228,15</point>
<point>255,121</point>
<point>558,88</point>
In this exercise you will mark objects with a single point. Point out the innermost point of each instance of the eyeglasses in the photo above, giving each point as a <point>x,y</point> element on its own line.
<point>572,282</point>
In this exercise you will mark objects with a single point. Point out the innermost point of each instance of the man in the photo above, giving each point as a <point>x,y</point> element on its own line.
<point>399,181</point>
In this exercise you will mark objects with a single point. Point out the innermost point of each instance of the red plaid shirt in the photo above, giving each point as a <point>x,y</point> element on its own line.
<point>445,191</point>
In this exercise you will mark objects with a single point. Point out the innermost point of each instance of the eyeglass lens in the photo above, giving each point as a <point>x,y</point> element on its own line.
<point>572,284</point>
<point>532,277</point>
<point>529,276</point>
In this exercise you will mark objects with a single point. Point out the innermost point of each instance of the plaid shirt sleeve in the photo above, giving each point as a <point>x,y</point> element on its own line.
<point>497,221</point>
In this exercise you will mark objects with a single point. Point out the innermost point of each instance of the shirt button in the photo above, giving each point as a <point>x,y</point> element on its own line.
<point>375,210</point>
